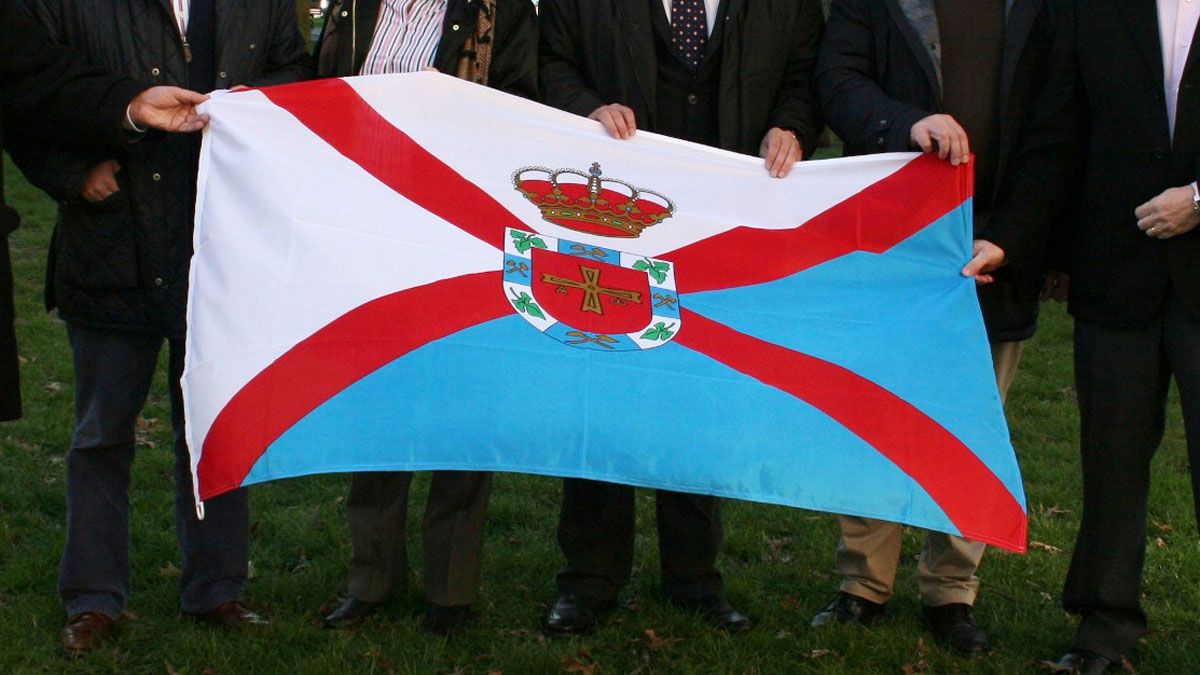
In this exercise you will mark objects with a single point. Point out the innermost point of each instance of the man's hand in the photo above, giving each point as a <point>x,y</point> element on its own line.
<point>1055,287</point>
<point>987,259</point>
<point>617,119</point>
<point>782,150</point>
<point>101,181</point>
<point>1169,214</point>
<point>169,109</point>
<point>945,133</point>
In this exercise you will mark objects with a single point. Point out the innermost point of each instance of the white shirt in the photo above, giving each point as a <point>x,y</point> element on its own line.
<point>710,12</point>
<point>406,36</point>
<point>1177,21</point>
<point>182,11</point>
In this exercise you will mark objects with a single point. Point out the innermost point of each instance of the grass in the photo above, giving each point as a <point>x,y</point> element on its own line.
<point>778,561</point>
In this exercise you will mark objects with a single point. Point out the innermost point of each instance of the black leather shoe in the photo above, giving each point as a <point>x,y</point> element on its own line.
<point>574,614</point>
<point>954,626</point>
<point>447,620</point>
<point>1085,663</point>
<point>847,607</point>
<point>349,614</point>
<point>717,611</point>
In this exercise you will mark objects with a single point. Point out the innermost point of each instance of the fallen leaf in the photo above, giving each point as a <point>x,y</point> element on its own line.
<point>170,571</point>
<point>1045,547</point>
<point>1158,541</point>
<point>1163,527</point>
<point>170,668</point>
<point>571,665</point>
<point>54,387</point>
<point>817,653</point>
<point>656,643</point>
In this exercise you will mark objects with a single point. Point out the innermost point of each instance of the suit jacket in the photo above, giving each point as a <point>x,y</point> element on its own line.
<point>45,90</point>
<point>1103,117</point>
<point>597,52</point>
<point>123,263</point>
<point>879,73</point>
<point>350,27</point>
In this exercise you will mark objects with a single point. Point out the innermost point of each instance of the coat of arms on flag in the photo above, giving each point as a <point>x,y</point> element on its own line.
<point>819,345</point>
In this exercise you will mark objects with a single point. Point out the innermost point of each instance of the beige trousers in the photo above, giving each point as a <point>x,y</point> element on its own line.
<point>869,552</point>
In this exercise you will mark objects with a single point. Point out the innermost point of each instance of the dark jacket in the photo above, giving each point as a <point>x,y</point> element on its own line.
<point>123,263</point>
<point>878,76</point>
<point>597,52</point>
<point>45,91</point>
<point>1104,118</point>
<point>350,26</point>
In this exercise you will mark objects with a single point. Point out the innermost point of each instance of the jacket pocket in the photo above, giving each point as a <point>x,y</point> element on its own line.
<point>96,244</point>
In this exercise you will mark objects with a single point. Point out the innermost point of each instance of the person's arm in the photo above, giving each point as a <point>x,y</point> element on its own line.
<point>515,53</point>
<point>60,171</point>
<point>564,85</point>
<point>1047,167</point>
<point>287,58</point>
<point>856,106</point>
<point>50,91</point>
<point>796,106</point>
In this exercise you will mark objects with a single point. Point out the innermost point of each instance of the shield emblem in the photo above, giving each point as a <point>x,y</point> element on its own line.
<point>588,296</point>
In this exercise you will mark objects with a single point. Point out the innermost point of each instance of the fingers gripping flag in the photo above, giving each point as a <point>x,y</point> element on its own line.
<point>413,272</point>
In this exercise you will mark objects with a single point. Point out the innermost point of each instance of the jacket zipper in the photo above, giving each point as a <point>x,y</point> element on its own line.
<point>353,36</point>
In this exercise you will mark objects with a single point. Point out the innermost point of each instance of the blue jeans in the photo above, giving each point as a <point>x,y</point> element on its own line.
<point>113,371</point>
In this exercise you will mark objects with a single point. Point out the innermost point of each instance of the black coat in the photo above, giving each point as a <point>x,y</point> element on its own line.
<point>877,79</point>
<point>597,52</point>
<point>45,91</point>
<point>1104,118</point>
<point>350,27</point>
<point>123,263</point>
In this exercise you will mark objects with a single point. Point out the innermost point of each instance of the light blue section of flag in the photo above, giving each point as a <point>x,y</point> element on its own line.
<point>503,396</point>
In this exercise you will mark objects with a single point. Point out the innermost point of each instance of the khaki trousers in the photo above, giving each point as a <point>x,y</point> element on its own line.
<point>452,534</point>
<point>869,552</point>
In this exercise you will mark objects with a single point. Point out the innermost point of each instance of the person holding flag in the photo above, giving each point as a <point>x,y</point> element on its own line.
<point>119,274</point>
<point>492,43</point>
<point>674,67</point>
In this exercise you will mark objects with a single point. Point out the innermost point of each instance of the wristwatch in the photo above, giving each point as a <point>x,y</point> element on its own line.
<point>1195,198</point>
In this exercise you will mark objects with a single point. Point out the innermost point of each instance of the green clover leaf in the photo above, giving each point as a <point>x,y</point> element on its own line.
<point>659,333</point>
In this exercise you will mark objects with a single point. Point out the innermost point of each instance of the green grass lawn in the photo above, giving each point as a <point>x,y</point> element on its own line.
<point>778,561</point>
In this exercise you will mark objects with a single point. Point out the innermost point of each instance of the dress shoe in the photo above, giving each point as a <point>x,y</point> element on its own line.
<point>232,615</point>
<point>954,626</point>
<point>716,611</point>
<point>847,607</point>
<point>84,632</point>
<point>1085,663</point>
<point>349,614</point>
<point>447,621</point>
<point>574,614</point>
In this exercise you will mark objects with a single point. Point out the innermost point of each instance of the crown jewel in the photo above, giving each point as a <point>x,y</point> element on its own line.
<point>588,202</point>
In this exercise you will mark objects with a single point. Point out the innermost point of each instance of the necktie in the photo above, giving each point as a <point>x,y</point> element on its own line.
<point>689,30</point>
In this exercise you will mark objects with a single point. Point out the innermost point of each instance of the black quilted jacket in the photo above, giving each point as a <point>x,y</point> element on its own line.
<point>123,263</point>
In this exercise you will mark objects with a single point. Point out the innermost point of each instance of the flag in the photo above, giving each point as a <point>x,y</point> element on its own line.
<point>414,272</point>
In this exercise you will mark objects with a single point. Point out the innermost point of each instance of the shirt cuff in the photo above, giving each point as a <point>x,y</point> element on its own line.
<point>129,124</point>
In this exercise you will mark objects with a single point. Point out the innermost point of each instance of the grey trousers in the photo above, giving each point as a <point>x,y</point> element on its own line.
<point>869,552</point>
<point>452,534</point>
<point>113,371</point>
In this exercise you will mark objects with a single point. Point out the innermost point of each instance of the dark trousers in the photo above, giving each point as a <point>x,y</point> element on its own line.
<point>452,533</point>
<point>1122,377</point>
<point>596,532</point>
<point>113,371</point>
<point>10,384</point>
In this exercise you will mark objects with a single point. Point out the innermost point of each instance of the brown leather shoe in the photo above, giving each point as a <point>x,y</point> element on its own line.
<point>231,615</point>
<point>84,632</point>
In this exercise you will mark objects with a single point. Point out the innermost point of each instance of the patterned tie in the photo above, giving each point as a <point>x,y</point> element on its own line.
<point>689,30</point>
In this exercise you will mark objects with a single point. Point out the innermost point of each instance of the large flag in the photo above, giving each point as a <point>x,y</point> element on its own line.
<point>413,272</point>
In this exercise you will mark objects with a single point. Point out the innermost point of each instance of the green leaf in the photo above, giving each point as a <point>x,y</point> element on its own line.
<point>641,266</point>
<point>537,241</point>
<point>659,333</point>
<point>534,311</point>
<point>522,245</point>
<point>526,305</point>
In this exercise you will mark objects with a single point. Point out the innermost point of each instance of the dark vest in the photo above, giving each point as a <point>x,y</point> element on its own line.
<point>687,100</point>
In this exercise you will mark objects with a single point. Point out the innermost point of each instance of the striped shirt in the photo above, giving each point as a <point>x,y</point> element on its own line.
<point>406,36</point>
